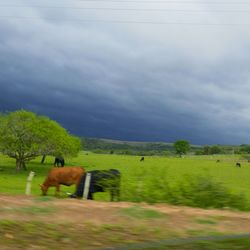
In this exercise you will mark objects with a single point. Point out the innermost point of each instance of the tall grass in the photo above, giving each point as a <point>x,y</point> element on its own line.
<point>203,191</point>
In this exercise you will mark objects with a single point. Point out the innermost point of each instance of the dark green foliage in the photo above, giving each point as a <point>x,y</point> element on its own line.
<point>199,152</point>
<point>195,191</point>
<point>204,192</point>
<point>215,150</point>
<point>127,148</point>
<point>181,147</point>
<point>244,149</point>
<point>218,149</point>
<point>105,146</point>
<point>212,150</point>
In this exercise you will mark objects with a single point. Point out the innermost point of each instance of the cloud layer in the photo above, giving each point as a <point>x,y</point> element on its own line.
<point>125,80</point>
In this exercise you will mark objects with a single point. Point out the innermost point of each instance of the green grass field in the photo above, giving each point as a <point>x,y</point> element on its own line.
<point>141,181</point>
<point>147,181</point>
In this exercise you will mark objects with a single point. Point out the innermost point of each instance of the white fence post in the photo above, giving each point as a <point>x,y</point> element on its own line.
<point>28,185</point>
<point>86,186</point>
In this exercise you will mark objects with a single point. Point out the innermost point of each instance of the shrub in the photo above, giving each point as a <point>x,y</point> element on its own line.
<point>204,192</point>
<point>195,191</point>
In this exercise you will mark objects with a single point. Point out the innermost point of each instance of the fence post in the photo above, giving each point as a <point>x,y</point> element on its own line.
<point>28,185</point>
<point>86,186</point>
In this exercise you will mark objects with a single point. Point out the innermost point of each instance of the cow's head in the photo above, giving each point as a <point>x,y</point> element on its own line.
<point>44,189</point>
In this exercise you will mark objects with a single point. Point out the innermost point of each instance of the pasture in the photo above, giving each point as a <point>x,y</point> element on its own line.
<point>71,223</point>
<point>141,181</point>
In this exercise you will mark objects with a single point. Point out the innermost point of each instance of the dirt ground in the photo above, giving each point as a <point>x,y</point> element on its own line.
<point>96,225</point>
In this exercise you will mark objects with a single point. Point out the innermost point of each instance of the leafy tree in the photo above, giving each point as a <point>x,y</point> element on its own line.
<point>181,147</point>
<point>57,141</point>
<point>24,136</point>
<point>211,150</point>
<point>199,152</point>
<point>215,150</point>
<point>206,150</point>
<point>245,149</point>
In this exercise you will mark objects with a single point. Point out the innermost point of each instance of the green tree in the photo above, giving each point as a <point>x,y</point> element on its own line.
<point>199,152</point>
<point>245,149</point>
<point>206,150</point>
<point>215,150</point>
<point>56,140</point>
<point>24,136</point>
<point>181,147</point>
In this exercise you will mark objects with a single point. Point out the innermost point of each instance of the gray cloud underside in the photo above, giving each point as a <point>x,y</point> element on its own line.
<point>127,81</point>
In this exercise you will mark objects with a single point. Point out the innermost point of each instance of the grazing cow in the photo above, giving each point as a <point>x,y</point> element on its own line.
<point>101,181</point>
<point>62,176</point>
<point>59,160</point>
<point>238,164</point>
<point>218,161</point>
<point>142,159</point>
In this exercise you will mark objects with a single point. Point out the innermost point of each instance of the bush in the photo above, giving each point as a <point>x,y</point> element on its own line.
<point>194,191</point>
<point>204,192</point>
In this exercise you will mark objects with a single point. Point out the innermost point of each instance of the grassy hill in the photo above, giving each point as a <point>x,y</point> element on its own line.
<point>130,147</point>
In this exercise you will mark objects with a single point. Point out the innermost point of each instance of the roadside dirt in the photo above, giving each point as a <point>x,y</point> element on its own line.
<point>112,222</point>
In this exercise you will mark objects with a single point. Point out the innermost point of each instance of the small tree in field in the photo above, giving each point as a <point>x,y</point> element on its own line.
<point>57,142</point>
<point>24,136</point>
<point>181,147</point>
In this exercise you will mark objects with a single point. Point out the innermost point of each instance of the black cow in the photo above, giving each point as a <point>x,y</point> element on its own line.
<point>101,181</point>
<point>142,159</point>
<point>238,164</point>
<point>59,160</point>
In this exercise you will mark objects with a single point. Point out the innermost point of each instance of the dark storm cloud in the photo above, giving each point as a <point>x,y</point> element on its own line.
<point>127,81</point>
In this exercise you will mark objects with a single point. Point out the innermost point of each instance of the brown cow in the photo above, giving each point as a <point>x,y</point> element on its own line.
<point>62,176</point>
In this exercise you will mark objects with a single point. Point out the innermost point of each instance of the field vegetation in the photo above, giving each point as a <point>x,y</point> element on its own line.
<point>198,181</point>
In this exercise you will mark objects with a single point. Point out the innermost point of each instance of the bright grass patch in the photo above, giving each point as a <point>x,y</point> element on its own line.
<point>154,180</point>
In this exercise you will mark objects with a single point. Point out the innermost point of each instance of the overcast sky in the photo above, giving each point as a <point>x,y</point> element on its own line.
<point>183,75</point>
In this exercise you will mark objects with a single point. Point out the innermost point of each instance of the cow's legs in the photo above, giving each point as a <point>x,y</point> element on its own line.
<point>115,192</point>
<point>112,194</point>
<point>57,190</point>
<point>118,194</point>
<point>90,196</point>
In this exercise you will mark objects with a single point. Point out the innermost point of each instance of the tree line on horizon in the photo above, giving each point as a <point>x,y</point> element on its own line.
<point>97,145</point>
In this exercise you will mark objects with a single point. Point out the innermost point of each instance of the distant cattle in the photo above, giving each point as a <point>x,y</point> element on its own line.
<point>101,181</point>
<point>218,161</point>
<point>62,176</point>
<point>238,164</point>
<point>59,160</point>
<point>142,159</point>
